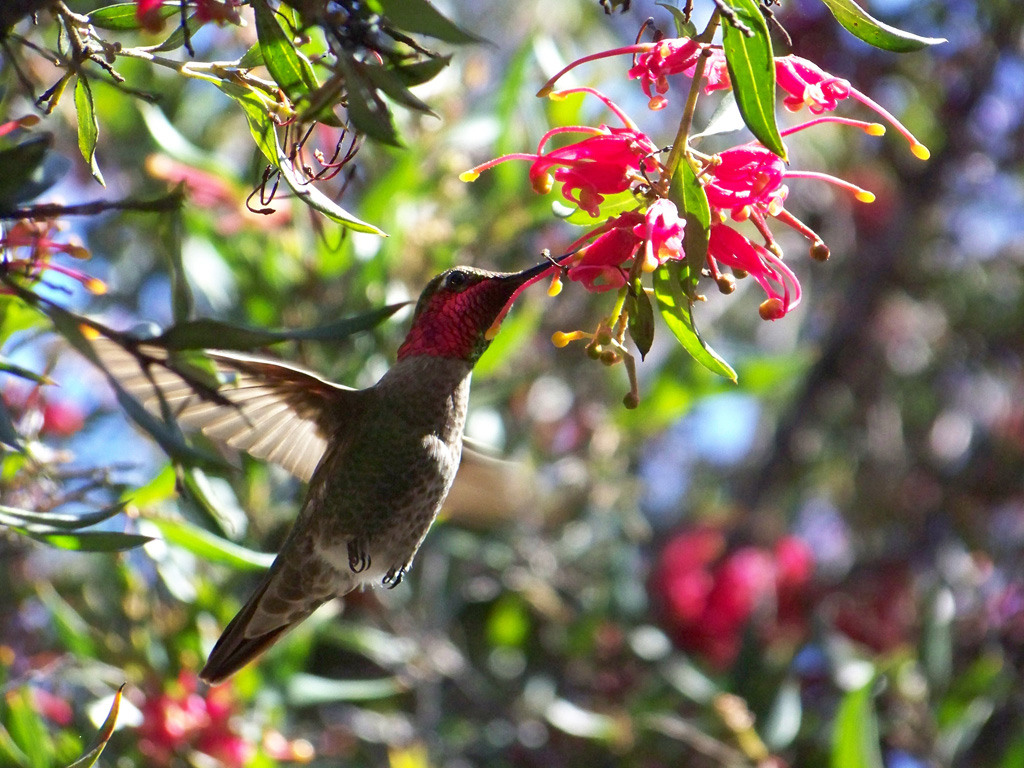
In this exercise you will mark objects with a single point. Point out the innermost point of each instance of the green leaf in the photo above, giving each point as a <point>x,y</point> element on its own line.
<point>9,437</point>
<point>207,334</point>
<point>420,72</point>
<point>51,520</point>
<point>121,17</point>
<point>692,201</point>
<point>92,541</point>
<point>27,729</point>
<point>725,119</point>
<point>177,37</point>
<point>262,129</point>
<point>386,80</point>
<point>611,206</point>
<point>24,373</point>
<point>210,547</point>
<point>752,72</point>
<point>88,127</point>
<point>641,318</point>
<point>287,66</point>
<point>252,58</point>
<point>95,749</point>
<point>874,32</point>
<point>677,311</point>
<point>855,734</point>
<point>366,109</point>
<point>23,164</point>
<point>421,17</point>
<point>684,27</point>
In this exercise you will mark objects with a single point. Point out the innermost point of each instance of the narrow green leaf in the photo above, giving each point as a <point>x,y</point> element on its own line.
<point>210,547</point>
<point>366,109</point>
<point>678,314</point>
<point>122,17</point>
<point>252,58</point>
<point>92,754</point>
<point>423,18</point>
<point>855,734</point>
<point>212,334</point>
<point>420,72</point>
<point>173,227</point>
<point>857,22</point>
<point>386,80</point>
<point>52,520</point>
<point>24,373</point>
<point>92,541</point>
<point>692,201</point>
<point>177,37</point>
<point>725,119</point>
<point>611,206</point>
<point>684,27</point>
<point>260,125</point>
<point>752,72</point>
<point>287,66</point>
<point>641,318</point>
<point>20,163</point>
<point>88,127</point>
<point>27,729</point>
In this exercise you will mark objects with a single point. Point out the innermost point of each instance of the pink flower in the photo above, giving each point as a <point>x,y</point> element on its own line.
<point>147,12</point>
<point>599,265</point>
<point>746,175</point>
<point>729,247</point>
<point>662,233</point>
<point>609,161</point>
<point>666,57</point>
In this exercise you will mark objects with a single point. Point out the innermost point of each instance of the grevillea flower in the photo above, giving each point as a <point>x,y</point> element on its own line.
<point>609,161</point>
<point>36,240</point>
<point>808,85</point>
<point>746,175</point>
<point>600,264</point>
<point>662,233</point>
<point>727,246</point>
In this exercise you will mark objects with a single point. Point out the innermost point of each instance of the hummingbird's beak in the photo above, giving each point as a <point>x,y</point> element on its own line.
<point>527,276</point>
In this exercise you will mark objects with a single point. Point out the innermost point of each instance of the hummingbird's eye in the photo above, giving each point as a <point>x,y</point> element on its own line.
<point>456,280</point>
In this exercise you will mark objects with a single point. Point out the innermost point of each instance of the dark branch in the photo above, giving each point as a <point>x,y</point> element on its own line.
<point>44,211</point>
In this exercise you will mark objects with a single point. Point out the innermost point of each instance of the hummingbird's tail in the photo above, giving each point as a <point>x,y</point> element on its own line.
<point>288,594</point>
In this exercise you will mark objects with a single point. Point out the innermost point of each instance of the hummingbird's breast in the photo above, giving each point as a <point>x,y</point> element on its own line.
<point>381,484</point>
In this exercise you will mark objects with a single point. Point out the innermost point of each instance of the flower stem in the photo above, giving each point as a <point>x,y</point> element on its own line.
<point>683,134</point>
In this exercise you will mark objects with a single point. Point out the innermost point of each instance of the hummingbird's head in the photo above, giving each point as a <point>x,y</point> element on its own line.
<point>457,313</point>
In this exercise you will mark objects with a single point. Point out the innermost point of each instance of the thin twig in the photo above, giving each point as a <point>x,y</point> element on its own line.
<point>44,211</point>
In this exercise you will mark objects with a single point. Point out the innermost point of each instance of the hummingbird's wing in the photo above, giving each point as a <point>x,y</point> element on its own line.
<point>273,411</point>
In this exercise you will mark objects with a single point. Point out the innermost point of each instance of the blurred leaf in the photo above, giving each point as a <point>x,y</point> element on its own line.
<point>24,373</point>
<point>783,722</point>
<point>28,172</point>
<point>583,723</point>
<point>641,318</point>
<point>52,520</point>
<point>10,753</point>
<point>286,65</point>
<point>306,690</point>
<point>516,330</point>
<point>677,311</point>
<point>27,730</point>
<point>855,732</point>
<point>213,334</point>
<point>252,58</point>
<point>92,754</point>
<point>857,22</point>
<point>386,80</point>
<point>123,16</point>
<point>752,72</point>
<point>17,315</point>
<point>9,437</point>
<point>423,18</point>
<point>91,541</point>
<point>508,624</point>
<point>611,206</point>
<point>160,488</point>
<point>73,631</point>
<point>420,72</point>
<point>210,547</point>
<point>937,638</point>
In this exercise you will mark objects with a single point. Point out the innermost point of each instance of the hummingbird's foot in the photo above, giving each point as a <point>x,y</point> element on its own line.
<point>393,577</point>
<point>358,556</point>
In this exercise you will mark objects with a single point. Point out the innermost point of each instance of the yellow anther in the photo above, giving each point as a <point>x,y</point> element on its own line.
<point>864,196</point>
<point>874,129</point>
<point>561,339</point>
<point>493,330</point>
<point>468,176</point>
<point>96,286</point>
<point>556,285</point>
<point>920,151</point>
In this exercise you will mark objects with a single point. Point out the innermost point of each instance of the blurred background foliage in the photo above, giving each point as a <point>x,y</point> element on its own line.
<point>819,566</point>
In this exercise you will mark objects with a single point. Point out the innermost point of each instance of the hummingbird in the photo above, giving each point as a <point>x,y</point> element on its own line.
<point>379,461</point>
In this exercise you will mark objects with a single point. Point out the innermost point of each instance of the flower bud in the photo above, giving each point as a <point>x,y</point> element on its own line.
<point>604,336</point>
<point>593,350</point>
<point>819,251</point>
<point>726,283</point>
<point>631,400</point>
<point>739,274</point>
<point>610,357</point>
<point>772,309</point>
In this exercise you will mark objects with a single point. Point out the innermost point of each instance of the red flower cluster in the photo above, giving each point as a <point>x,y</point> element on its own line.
<point>182,720</point>
<point>707,598</point>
